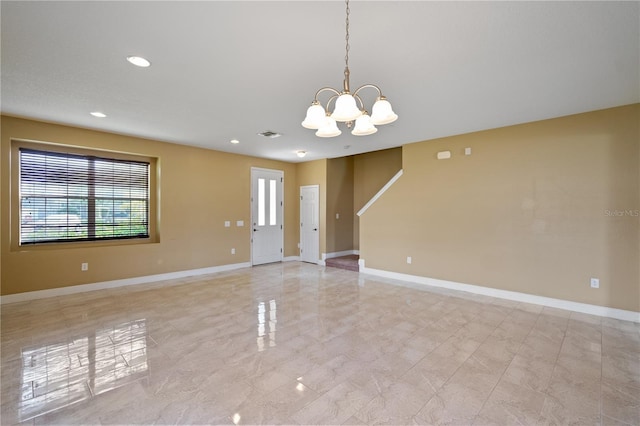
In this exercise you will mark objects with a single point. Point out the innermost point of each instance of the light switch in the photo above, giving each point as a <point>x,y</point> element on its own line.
<point>337,215</point>
<point>240,223</point>
<point>227,223</point>
<point>467,151</point>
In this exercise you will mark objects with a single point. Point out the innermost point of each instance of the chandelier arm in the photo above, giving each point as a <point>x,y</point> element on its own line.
<point>324,89</point>
<point>331,99</point>
<point>364,86</point>
<point>355,96</point>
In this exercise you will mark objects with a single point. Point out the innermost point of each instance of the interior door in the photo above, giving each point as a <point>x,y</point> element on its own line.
<point>309,223</point>
<point>267,234</point>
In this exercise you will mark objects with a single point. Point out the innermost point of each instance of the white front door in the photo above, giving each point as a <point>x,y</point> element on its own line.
<point>267,234</point>
<point>309,223</point>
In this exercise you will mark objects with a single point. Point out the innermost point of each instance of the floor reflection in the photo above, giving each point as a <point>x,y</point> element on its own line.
<point>58,375</point>
<point>266,329</point>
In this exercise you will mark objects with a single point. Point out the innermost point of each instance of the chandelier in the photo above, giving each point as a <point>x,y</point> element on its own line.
<point>349,107</point>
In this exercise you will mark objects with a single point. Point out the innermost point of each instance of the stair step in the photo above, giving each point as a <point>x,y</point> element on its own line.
<point>349,262</point>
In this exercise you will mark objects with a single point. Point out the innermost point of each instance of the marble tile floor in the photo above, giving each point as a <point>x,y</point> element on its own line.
<point>296,343</point>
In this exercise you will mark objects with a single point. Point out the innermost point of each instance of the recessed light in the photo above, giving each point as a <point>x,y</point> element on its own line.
<point>138,61</point>
<point>234,141</point>
<point>301,153</point>
<point>98,114</point>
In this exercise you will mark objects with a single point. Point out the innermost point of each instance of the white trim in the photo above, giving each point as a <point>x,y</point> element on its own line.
<point>601,311</point>
<point>361,266</point>
<point>291,259</point>
<point>379,193</point>
<point>326,256</point>
<point>62,291</point>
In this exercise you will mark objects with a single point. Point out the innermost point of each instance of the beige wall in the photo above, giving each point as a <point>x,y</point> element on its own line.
<point>315,173</point>
<point>340,202</point>
<point>526,212</point>
<point>535,209</point>
<point>371,171</point>
<point>346,184</point>
<point>199,190</point>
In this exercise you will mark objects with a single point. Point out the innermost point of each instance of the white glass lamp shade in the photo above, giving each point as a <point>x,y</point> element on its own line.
<point>382,112</point>
<point>364,126</point>
<point>329,129</point>
<point>315,117</point>
<point>346,108</point>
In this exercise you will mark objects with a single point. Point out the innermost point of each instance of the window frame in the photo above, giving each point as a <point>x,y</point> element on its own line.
<point>15,198</point>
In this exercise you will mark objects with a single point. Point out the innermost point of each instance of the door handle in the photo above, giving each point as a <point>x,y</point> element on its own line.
<point>255,230</point>
<point>315,229</point>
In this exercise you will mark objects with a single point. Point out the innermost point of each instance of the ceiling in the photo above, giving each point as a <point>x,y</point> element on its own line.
<point>229,70</point>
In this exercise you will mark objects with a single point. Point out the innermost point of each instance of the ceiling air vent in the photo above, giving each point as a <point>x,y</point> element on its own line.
<point>270,134</point>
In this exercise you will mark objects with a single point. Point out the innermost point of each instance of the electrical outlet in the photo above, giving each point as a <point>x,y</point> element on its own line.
<point>84,267</point>
<point>409,259</point>
<point>595,283</point>
<point>233,251</point>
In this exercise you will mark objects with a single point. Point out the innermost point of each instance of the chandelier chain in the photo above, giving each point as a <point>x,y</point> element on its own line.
<point>346,55</point>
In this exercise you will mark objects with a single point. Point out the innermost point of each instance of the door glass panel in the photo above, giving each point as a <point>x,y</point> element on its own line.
<point>261,203</point>
<point>272,202</point>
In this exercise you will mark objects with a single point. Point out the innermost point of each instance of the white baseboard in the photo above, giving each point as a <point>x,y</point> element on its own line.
<point>568,305</point>
<point>361,264</point>
<point>291,259</point>
<point>602,311</point>
<point>41,294</point>
<point>326,256</point>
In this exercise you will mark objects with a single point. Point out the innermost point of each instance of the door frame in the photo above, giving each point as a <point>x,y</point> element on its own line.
<point>251,209</point>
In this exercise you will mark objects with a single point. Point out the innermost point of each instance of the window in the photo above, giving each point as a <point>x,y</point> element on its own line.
<point>74,197</point>
<point>262,202</point>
